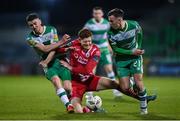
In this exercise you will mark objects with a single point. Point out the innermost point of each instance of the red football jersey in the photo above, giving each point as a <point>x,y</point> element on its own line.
<point>83,61</point>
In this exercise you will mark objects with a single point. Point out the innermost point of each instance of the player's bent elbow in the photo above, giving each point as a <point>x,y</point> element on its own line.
<point>46,50</point>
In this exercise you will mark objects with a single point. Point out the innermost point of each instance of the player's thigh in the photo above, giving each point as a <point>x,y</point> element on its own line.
<point>78,90</point>
<point>137,66</point>
<point>67,85</point>
<point>51,72</point>
<point>138,77</point>
<point>123,69</point>
<point>64,73</point>
<point>106,83</point>
<point>108,68</point>
<point>56,82</point>
<point>124,82</point>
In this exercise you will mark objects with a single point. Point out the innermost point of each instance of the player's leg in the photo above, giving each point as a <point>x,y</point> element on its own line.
<point>141,93</point>
<point>123,73</point>
<point>106,62</point>
<point>76,102</point>
<point>104,83</point>
<point>110,74</point>
<point>65,75</point>
<point>90,93</point>
<point>78,91</point>
<point>137,71</point>
<point>60,91</point>
<point>68,87</point>
<point>126,89</point>
<point>53,75</point>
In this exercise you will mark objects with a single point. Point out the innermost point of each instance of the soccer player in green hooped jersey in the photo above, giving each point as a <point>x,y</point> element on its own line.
<point>45,39</point>
<point>99,27</point>
<point>125,38</point>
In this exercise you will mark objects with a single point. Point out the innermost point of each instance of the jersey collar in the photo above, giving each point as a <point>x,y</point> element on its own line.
<point>125,28</point>
<point>87,54</point>
<point>97,22</point>
<point>44,29</point>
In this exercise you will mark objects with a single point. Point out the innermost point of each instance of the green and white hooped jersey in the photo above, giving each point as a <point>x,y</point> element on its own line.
<point>99,31</point>
<point>48,37</point>
<point>127,39</point>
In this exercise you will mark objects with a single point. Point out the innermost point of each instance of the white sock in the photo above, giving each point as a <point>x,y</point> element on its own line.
<point>89,94</point>
<point>63,96</point>
<point>143,100</point>
<point>111,75</point>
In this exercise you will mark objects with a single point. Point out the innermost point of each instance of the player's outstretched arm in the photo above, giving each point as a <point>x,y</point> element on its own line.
<point>45,62</point>
<point>48,48</point>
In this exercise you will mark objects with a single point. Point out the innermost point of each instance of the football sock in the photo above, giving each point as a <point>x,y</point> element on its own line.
<point>89,94</point>
<point>143,101</point>
<point>111,75</point>
<point>63,96</point>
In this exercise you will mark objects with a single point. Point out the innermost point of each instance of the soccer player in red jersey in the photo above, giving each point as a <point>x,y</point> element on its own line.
<point>83,59</point>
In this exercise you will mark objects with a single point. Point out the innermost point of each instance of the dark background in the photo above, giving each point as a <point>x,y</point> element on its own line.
<point>160,20</point>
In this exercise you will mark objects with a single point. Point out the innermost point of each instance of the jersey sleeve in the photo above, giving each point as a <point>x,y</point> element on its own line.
<point>32,42</point>
<point>55,35</point>
<point>139,36</point>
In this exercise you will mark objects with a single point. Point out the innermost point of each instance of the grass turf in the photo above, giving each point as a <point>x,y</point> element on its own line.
<point>34,98</point>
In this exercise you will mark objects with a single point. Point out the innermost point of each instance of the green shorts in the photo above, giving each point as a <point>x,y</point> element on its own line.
<point>129,67</point>
<point>56,69</point>
<point>105,58</point>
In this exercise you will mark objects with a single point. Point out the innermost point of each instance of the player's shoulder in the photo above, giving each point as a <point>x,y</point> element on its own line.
<point>75,42</point>
<point>90,21</point>
<point>132,22</point>
<point>50,27</point>
<point>95,46</point>
<point>95,49</point>
<point>30,36</point>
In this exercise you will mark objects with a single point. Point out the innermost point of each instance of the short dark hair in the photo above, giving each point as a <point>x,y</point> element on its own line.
<point>31,17</point>
<point>84,33</point>
<point>116,12</point>
<point>97,8</point>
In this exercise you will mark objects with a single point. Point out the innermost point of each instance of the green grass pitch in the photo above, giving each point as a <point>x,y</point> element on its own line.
<point>34,98</point>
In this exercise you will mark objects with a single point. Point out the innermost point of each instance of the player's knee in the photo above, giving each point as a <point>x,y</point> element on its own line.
<point>114,84</point>
<point>124,88</point>
<point>137,77</point>
<point>67,86</point>
<point>108,68</point>
<point>56,82</point>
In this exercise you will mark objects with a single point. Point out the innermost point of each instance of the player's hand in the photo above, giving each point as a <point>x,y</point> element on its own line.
<point>72,48</point>
<point>66,37</point>
<point>138,52</point>
<point>43,64</point>
<point>65,64</point>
